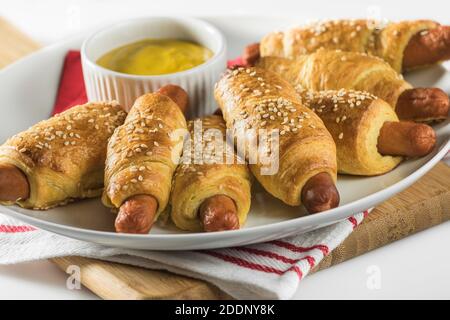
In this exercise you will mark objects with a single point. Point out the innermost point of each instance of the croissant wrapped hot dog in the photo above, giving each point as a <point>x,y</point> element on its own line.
<point>404,45</point>
<point>259,99</point>
<point>333,70</point>
<point>141,160</point>
<point>210,195</point>
<point>366,129</point>
<point>59,159</point>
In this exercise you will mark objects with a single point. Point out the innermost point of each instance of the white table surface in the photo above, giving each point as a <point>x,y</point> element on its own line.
<point>413,268</point>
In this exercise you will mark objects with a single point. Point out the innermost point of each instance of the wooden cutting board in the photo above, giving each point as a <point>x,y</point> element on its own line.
<point>423,205</point>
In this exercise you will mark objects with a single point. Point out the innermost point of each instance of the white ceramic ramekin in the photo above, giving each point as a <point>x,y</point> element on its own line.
<point>105,84</point>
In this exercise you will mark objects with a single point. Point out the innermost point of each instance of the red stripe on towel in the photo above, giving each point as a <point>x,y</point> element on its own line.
<point>274,255</point>
<point>295,248</point>
<point>15,229</point>
<point>297,270</point>
<point>353,221</point>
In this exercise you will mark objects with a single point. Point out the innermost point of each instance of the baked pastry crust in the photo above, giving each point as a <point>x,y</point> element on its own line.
<point>354,119</point>
<point>143,153</point>
<point>63,157</point>
<point>385,40</point>
<point>260,99</point>
<point>195,182</point>
<point>335,69</point>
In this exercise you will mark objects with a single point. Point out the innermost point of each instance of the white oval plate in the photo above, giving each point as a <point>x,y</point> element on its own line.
<point>27,93</point>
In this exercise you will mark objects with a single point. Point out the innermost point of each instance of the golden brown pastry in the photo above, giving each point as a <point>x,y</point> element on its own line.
<point>141,159</point>
<point>334,69</point>
<point>385,40</point>
<point>209,179</point>
<point>364,127</point>
<point>59,159</point>
<point>254,99</point>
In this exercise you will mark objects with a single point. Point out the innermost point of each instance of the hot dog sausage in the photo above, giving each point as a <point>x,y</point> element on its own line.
<point>423,104</point>
<point>251,54</point>
<point>406,138</point>
<point>219,213</point>
<point>136,214</point>
<point>427,47</point>
<point>13,183</point>
<point>177,94</point>
<point>319,193</point>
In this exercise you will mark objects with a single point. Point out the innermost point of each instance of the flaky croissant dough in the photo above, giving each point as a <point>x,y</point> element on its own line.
<point>386,41</point>
<point>354,119</point>
<point>64,157</point>
<point>142,155</point>
<point>260,99</point>
<point>195,182</point>
<point>335,69</point>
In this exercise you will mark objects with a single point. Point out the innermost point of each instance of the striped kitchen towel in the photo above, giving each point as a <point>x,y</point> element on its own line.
<point>271,270</point>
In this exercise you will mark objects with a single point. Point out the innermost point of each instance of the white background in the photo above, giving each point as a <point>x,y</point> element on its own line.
<point>416,267</point>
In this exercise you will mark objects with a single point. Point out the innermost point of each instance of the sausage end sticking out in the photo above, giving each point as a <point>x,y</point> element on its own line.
<point>406,138</point>
<point>136,214</point>
<point>319,193</point>
<point>251,54</point>
<point>423,104</point>
<point>13,183</point>
<point>429,47</point>
<point>219,213</point>
<point>177,94</point>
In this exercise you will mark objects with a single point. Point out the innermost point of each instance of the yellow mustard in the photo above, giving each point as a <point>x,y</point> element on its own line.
<point>155,57</point>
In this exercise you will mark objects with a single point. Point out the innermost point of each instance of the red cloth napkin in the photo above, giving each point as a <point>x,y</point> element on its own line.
<point>72,92</point>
